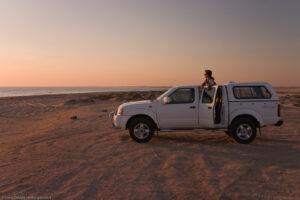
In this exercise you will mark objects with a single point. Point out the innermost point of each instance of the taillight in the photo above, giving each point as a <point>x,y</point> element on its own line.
<point>278,110</point>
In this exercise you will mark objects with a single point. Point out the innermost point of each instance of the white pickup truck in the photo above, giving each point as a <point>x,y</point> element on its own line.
<point>239,109</point>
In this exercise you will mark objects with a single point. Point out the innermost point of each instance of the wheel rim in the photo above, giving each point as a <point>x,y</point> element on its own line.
<point>244,131</point>
<point>141,131</point>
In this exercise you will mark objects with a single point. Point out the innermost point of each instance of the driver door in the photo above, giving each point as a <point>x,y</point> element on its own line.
<point>181,112</point>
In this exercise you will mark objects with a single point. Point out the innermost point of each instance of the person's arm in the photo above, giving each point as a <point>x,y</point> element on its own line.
<point>211,82</point>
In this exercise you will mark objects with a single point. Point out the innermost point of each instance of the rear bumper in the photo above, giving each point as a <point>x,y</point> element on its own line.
<point>279,123</point>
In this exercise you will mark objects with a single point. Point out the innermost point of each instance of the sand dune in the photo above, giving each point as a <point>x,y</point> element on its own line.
<point>45,153</point>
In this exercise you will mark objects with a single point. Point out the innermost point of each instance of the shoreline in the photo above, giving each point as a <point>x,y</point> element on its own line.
<point>38,91</point>
<point>77,94</point>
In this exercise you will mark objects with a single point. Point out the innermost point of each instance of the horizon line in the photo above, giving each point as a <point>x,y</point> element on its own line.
<point>148,86</point>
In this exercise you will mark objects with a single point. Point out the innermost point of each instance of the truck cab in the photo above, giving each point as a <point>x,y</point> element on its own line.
<point>239,109</point>
<point>191,107</point>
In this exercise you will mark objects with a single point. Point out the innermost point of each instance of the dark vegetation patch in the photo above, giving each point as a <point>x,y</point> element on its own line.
<point>102,97</point>
<point>74,117</point>
<point>80,101</point>
<point>119,96</point>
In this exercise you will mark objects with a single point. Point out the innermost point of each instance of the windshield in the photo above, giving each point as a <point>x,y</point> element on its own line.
<point>163,94</point>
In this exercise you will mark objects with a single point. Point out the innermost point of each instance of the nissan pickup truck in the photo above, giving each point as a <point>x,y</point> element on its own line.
<point>238,109</point>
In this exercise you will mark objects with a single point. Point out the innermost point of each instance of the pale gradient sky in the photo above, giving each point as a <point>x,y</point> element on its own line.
<point>148,42</point>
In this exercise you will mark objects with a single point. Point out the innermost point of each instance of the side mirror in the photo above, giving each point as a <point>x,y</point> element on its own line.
<point>166,100</point>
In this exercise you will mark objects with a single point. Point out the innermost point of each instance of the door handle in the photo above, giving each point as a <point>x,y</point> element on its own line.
<point>209,107</point>
<point>192,107</point>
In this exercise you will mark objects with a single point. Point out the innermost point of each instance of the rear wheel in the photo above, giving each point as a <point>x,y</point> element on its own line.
<point>243,130</point>
<point>141,130</point>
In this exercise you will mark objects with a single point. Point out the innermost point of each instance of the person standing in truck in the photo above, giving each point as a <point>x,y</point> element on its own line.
<point>209,80</point>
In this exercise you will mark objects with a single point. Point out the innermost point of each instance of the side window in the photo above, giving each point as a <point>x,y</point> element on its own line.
<point>265,92</point>
<point>244,92</point>
<point>183,95</point>
<point>208,95</point>
<point>251,92</point>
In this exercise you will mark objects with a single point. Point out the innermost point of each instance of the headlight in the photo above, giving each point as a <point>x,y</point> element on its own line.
<point>120,111</point>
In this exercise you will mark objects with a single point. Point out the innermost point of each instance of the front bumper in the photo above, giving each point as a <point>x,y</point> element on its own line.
<point>279,123</point>
<point>111,117</point>
<point>118,121</point>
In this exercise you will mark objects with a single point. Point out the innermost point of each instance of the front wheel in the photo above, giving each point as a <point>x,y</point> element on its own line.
<point>141,130</point>
<point>243,130</point>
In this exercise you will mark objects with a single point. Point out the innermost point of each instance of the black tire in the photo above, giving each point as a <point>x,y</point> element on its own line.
<point>141,130</point>
<point>243,130</point>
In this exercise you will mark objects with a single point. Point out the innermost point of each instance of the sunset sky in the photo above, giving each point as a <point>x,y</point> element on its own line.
<point>148,42</point>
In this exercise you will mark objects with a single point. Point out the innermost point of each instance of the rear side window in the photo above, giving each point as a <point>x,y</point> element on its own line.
<point>183,95</point>
<point>265,93</point>
<point>251,92</point>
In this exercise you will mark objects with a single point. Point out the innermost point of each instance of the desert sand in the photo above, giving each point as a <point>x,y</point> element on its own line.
<point>44,153</point>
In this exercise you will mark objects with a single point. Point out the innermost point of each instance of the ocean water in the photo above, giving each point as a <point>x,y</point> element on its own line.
<point>30,91</point>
